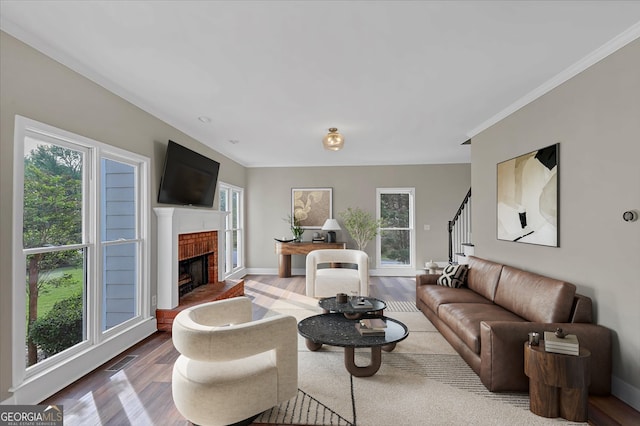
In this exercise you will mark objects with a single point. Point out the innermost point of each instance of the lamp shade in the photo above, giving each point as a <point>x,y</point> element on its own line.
<point>333,140</point>
<point>331,225</point>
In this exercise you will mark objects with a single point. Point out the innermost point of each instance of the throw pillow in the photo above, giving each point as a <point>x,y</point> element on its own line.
<point>453,276</point>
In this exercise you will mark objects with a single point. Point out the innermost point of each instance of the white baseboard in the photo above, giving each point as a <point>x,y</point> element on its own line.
<point>239,274</point>
<point>625,392</point>
<point>261,271</point>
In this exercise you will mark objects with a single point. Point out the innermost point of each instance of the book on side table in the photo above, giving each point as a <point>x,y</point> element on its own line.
<point>361,303</point>
<point>373,323</point>
<point>567,345</point>
<point>371,327</point>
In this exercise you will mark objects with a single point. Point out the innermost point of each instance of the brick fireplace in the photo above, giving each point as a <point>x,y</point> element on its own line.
<point>176,221</point>
<point>185,236</point>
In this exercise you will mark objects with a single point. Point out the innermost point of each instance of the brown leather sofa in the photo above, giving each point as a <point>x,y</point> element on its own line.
<point>488,319</point>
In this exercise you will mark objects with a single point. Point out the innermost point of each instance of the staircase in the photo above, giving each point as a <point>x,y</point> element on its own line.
<point>460,245</point>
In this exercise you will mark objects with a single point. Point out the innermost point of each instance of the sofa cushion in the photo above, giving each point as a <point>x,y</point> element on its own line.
<point>465,318</point>
<point>435,295</point>
<point>535,297</point>
<point>453,276</point>
<point>482,276</point>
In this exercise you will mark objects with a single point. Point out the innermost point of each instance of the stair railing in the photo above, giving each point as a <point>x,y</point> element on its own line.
<point>460,228</point>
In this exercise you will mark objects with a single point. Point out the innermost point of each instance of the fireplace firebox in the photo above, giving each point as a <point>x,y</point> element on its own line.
<point>197,260</point>
<point>192,273</point>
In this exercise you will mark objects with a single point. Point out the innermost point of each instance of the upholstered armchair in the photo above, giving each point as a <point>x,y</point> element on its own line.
<point>327,281</point>
<point>231,368</point>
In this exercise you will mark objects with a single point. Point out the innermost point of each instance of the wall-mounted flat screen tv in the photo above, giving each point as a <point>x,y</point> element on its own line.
<point>189,178</point>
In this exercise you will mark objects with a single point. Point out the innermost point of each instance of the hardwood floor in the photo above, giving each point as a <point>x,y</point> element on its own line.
<point>140,392</point>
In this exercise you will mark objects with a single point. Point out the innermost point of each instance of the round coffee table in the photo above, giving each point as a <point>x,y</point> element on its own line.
<point>336,330</point>
<point>330,304</point>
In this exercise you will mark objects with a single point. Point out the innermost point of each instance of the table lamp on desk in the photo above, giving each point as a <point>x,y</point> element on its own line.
<point>331,225</point>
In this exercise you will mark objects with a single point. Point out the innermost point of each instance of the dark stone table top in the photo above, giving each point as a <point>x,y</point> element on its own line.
<point>336,330</point>
<point>330,304</point>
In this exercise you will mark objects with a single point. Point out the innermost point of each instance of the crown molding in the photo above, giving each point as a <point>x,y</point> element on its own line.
<point>594,57</point>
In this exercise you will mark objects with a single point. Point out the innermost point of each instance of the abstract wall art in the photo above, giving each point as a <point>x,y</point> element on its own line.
<point>527,198</point>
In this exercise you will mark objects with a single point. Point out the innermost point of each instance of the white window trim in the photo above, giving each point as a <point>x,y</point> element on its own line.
<point>403,270</point>
<point>143,208</point>
<point>42,382</point>
<point>239,271</point>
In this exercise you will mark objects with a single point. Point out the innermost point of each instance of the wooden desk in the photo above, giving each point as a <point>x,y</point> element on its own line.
<point>558,384</point>
<point>285,250</point>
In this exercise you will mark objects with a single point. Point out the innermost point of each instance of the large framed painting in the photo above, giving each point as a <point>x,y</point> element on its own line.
<point>527,197</point>
<point>312,206</point>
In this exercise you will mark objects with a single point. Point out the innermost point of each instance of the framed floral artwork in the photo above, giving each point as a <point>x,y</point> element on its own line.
<point>311,207</point>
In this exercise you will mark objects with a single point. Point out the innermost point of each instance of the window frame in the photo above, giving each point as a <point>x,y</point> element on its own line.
<point>141,240</point>
<point>230,271</point>
<point>32,384</point>
<point>401,270</point>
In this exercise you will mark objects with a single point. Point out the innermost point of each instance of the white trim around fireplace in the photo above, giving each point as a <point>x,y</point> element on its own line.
<point>173,221</point>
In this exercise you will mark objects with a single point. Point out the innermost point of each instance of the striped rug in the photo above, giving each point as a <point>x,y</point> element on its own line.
<point>303,409</point>
<point>395,306</point>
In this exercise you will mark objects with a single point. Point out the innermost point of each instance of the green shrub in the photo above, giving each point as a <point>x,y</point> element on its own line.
<point>60,328</point>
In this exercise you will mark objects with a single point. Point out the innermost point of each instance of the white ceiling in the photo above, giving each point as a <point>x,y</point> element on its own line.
<point>406,82</point>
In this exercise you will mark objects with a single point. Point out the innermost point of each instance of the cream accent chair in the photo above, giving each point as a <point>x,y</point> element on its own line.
<point>231,368</point>
<point>327,282</point>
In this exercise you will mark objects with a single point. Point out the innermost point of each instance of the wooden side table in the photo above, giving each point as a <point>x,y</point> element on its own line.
<point>558,384</point>
<point>285,250</point>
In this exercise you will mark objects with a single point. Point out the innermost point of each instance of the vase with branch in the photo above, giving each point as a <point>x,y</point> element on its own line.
<point>360,225</point>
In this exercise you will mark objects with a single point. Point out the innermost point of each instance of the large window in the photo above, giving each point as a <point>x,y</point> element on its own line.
<point>55,246</point>
<point>80,262</point>
<point>232,201</point>
<point>395,241</point>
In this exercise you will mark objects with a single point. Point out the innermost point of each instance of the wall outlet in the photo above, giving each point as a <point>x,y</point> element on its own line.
<point>427,227</point>
<point>153,300</point>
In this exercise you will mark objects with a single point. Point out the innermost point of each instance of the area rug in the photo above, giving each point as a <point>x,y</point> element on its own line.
<point>422,382</point>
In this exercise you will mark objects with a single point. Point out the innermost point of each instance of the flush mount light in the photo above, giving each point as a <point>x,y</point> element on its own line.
<point>204,119</point>
<point>233,141</point>
<point>333,140</point>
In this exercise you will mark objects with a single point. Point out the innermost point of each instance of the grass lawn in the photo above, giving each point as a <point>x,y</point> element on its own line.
<point>49,294</point>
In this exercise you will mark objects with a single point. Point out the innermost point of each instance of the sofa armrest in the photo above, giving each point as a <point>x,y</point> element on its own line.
<point>582,310</point>
<point>426,279</point>
<point>502,353</point>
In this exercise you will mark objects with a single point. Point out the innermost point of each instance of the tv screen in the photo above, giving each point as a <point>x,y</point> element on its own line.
<point>188,178</point>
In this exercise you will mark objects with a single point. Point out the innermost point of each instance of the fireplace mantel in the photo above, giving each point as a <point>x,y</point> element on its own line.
<point>173,221</point>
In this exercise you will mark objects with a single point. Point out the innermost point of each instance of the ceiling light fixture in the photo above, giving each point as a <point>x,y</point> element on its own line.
<point>333,140</point>
<point>204,119</point>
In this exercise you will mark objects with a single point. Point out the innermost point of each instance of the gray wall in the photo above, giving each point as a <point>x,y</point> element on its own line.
<point>595,117</point>
<point>37,87</point>
<point>439,190</point>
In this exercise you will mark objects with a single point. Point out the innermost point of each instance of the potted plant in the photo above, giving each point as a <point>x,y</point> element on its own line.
<point>360,225</point>
<point>296,228</point>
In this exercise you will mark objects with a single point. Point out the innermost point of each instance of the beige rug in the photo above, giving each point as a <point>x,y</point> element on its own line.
<point>422,382</point>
